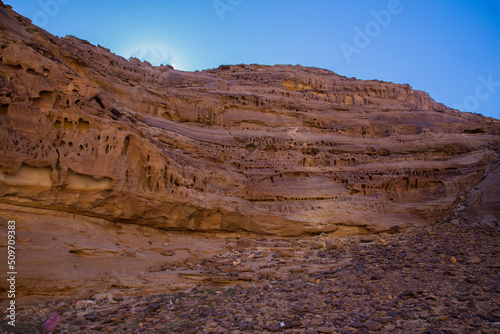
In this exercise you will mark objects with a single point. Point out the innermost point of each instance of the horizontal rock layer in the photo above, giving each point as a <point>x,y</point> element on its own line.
<point>283,150</point>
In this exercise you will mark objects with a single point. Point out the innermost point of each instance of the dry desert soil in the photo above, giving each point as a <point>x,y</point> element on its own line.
<point>438,279</point>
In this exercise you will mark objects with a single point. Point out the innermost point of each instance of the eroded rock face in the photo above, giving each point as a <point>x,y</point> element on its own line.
<point>283,150</point>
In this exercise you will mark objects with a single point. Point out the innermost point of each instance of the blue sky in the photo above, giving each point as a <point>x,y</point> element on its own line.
<point>448,48</point>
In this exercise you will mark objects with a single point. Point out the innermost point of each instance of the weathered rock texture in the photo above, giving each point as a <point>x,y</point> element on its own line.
<point>283,150</point>
<point>93,145</point>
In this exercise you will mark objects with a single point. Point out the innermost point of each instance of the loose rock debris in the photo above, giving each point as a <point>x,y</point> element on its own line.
<point>441,279</point>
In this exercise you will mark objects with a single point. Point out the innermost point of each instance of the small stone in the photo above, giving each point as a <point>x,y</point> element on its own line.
<point>84,303</point>
<point>211,298</point>
<point>159,327</point>
<point>293,324</point>
<point>373,325</point>
<point>168,253</point>
<point>274,327</point>
<point>104,296</point>
<point>317,245</point>
<point>474,260</point>
<point>342,324</point>
<point>368,238</point>
<point>383,320</point>
<point>153,306</point>
<point>472,280</point>
<point>408,295</point>
<point>433,331</point>
<point>191,303</point>
<point>324,329</point>
<point>207,313</point>
<point>488,224</point>
<point>91,317</point>
<point>357,325</point>
<point>453,259</point>
<point>245,326</point>
<point>330,244</point>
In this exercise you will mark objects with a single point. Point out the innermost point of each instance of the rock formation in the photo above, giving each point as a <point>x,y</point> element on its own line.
<point>277,150</point>
<point>281,150</point>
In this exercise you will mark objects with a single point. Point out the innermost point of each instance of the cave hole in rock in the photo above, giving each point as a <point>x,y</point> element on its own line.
<point>82,125</point>
<point>99,102</point>
<point>17,67</point>
<point>4,108</point>
<point>126,143</point>
<point>251,147</point>
<point>68,125</point>
<point>31,71</point>
<point>45,100</point>
<point>116,113</point>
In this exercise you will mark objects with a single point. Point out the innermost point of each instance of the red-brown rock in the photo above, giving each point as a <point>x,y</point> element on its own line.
<point>282,150</point>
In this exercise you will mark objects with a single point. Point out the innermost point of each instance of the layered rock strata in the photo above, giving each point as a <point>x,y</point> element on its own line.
<point>283,150</point>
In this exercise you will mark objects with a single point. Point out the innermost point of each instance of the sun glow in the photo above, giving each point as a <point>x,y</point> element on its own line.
<point>154,54</point>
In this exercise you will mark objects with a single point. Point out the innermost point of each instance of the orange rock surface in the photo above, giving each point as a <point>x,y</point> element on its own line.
<point>278,150</point>
<point>281,150</point>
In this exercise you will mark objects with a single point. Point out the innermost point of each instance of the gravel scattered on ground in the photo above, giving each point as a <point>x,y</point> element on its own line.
<point>440,279</point>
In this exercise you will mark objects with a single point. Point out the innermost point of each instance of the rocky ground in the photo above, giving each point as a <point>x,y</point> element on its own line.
<point>440,279</point>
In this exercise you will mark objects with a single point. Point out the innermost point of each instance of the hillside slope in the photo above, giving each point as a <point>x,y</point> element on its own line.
<point>283,150</point>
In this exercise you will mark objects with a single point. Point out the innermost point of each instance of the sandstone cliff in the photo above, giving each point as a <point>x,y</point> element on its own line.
<point>283,150</point>
<point>92,146</point>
